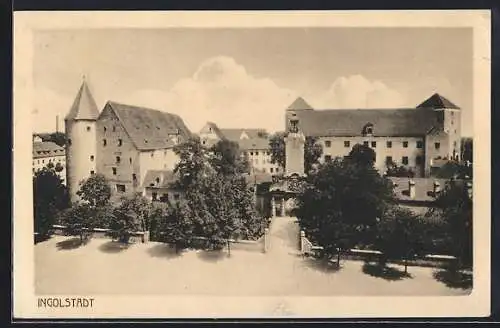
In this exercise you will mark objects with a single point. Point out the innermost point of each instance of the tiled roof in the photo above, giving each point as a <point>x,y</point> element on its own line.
<point>235,134</point>
<point>254,143</point>
<point>149,128</point>
<point>386,122</point>
<point>84,106</point>
<point>215,129</point>
<point>47,149</point>
<point>436,101</point>
<point>299,104</point>
<point>166,179</point>
<point>424,188</point>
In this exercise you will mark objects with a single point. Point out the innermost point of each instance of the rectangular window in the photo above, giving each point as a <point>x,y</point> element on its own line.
<point>130,160</point>
<point>328,158</point>
<point>388,160</point>
<point>437,145</point>
<point>92,172</point>
<point>120,188</point>
<point>120,142</point>
<point>420,144</point>
<point>105,129</point>
<point>404,160</point>
<point>328,143</point>
<point>118,159</point>
<point>134,177</point>
<point>104,142</point>
<point>256,153</point>
<point>405,144</point>
<point>91,158</point>
<point>164,198</point>
<point>418,160</point>
<point>347,144</point>
<point>271,169</point>
<point>251,153</point>
<point>114,170</point>
<point>389,144</point>
<point>365,143</point>
<point>374,144</point>
<point>154,196</point>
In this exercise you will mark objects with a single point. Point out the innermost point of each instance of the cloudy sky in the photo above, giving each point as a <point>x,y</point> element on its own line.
<point>247,77</point>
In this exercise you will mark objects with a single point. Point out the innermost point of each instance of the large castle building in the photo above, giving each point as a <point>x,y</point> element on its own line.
<point>127,144</point>
<point>420,138</point>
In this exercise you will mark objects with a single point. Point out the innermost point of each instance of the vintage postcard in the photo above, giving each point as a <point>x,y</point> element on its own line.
<point>251,164</point>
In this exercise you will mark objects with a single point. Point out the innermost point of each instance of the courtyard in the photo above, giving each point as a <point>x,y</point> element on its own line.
<point>102,266</point>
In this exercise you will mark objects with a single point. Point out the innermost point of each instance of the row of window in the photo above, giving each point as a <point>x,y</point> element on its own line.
<point>404,160</point>
<point>373,144</point>
<point>49,161</point>
<point>119,142</point>
<point>268,153</point>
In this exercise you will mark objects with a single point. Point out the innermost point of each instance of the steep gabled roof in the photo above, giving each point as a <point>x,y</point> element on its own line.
<point>84,106</point>
<point>299,104</point>
<point>215,129</point>
<point>386,122</point>
<point>436,101</point>
<point>150,129</point>
<point>47,149</point>
<point>254,143</point>
<point>235,134</point>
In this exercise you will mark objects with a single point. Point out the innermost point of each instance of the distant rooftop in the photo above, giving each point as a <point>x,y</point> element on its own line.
<point>47,149</point>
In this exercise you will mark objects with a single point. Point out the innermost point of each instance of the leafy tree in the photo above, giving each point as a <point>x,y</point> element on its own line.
<point>454,207</point>
<point>361,155</point>
<point>312,150</point>
<point>466,147</point>
<point>394,170</point>
<point>454,170</point>
<point>59,167</point>
<point>175,226</point>
<point>50,198</point>
<point>193,161</point>
<point>227,158</point>
<point>58,138</point>
<point>343,199</point>
<point>399,235</point>
<point>95,190</point>
<point>81,219</point>
<point>131,215</point>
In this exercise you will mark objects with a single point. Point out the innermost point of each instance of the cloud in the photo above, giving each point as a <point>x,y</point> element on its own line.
<point>356,91</point>
<point>47,105</point>
<point>222,91</point>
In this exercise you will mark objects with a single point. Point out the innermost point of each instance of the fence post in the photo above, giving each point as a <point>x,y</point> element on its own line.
<point>266,240</point>
<point>302,237</point>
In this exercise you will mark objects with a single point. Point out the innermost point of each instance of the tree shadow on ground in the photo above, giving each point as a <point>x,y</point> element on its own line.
<point>322,265</point>
<point>41,238</point>
<point>113,247</point>
<point>164,251</point>
<point>71,243</point>
<point>212,256</point>
<point>453,278</point>
<point>384,272</point>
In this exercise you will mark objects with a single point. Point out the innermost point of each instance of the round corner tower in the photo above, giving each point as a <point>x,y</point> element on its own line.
<point>80,125</point>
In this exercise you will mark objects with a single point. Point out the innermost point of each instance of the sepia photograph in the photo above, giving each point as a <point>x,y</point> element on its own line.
<point>192,165</point>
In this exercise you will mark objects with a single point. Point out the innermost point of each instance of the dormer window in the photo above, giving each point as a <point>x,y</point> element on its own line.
<point>368,129</point>
<point>157,180</point>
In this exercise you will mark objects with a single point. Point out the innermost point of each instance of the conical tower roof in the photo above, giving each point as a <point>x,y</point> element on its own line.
<point>436,101</point>
<point>298,104</point>
<point>84,106</point>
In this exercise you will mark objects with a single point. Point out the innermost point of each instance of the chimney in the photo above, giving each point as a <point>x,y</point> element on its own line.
<point>437,187</point>
<point>57,123</point>
<point>411,188</point>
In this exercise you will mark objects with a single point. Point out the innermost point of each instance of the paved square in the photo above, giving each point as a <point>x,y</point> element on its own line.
<point>101,267</point>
